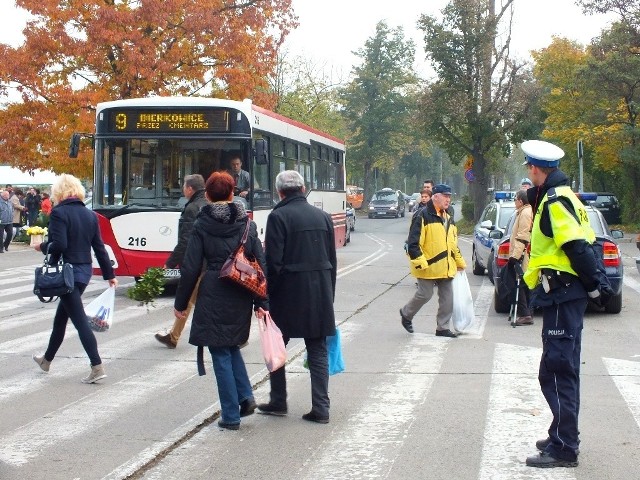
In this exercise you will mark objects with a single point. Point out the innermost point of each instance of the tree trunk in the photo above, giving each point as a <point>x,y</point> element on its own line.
<point>478,188</point>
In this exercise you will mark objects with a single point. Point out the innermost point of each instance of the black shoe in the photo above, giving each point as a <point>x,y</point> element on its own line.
<point>406,323</point>
<point>446,333</point>
<point>270,409</point>
<point>165,340</point>
<point>314,417</point>
<point>544,460</point>
<point>247,407</point>
<point>228,426</point>
<point>542,444</point>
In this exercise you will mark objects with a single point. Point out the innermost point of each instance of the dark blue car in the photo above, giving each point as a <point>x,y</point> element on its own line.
<point>606,247</point>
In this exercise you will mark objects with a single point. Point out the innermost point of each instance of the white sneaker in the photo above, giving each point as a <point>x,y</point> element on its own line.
<point>97,373</point>
<point>44,364</point>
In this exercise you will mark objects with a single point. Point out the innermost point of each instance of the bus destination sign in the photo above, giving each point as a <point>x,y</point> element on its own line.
<point>123,121</point>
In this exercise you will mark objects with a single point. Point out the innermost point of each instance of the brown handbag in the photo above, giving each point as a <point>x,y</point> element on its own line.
<point>243,270</point>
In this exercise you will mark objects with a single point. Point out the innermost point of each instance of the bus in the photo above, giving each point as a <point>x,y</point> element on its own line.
<point>145,147</point>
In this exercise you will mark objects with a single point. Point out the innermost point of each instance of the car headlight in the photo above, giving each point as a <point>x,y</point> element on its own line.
<point>371,207</point>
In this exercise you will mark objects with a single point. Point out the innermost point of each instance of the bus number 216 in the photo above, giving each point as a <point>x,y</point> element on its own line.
<point>137,241</point>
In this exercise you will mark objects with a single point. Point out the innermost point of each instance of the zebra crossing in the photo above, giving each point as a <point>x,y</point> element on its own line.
<point>408,406</point>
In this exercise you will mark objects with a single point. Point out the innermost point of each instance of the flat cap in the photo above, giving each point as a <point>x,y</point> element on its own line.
<point>442,188</point>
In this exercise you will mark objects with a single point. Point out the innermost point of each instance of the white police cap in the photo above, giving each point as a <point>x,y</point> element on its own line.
<point>541,154</point>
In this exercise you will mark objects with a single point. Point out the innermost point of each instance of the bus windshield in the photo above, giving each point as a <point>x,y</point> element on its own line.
<point>147,172</point>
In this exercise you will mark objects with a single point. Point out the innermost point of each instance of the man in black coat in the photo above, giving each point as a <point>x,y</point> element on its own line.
<point>301,279</point>
<point>193,189</point>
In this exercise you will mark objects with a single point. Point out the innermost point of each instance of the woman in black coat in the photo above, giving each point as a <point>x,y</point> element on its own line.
<point>73,232</point>
<point>222,315</point>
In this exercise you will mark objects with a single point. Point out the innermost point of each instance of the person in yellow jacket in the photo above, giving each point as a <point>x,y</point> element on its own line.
<point>563,273</point>
<point>518,245</point>
<point>435,258</point>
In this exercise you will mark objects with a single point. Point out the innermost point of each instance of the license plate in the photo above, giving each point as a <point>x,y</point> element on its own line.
<point>171,272</point>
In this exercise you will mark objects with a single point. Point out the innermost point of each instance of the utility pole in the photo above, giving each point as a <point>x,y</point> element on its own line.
<point>580,155</point>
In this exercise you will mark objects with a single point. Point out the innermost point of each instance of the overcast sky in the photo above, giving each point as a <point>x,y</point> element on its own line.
<point>331,29</point>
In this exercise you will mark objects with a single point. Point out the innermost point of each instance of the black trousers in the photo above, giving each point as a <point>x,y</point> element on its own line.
<point>70,307</point>
<point>559,374</point>
<point>318,370</point>
<point>5,229</point>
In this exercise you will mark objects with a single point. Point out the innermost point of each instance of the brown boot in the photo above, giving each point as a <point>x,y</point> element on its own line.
<point>528,320</point>
<point>165,340</point>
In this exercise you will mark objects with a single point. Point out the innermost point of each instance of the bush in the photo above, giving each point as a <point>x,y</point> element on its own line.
<point>467,208</point>
<point>149,287</point>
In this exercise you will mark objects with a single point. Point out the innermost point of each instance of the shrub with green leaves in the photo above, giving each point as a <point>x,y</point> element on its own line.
<point>148,288</point>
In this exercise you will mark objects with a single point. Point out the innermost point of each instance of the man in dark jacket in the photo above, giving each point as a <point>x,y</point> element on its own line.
<point>193,189</point>
<point>301,278</point>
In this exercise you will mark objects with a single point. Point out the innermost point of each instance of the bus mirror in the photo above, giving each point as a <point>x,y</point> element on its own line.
<point>74,145</point>
<point>260,152</point>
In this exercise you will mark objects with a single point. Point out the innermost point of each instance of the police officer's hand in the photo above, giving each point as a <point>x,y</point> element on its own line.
<point>601,295</point>
<point>606,292</point>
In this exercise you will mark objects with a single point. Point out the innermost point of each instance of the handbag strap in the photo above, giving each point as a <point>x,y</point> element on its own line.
<point>245,235</point>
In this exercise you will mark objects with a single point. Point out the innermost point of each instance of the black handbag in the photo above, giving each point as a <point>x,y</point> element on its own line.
<point>53,281</point>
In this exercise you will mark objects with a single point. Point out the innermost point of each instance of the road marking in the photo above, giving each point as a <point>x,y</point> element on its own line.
<point>517,416</point>
<point>481,306</point>
<point>626,376</point>
<point>631,283</point>
<point>91,412</point>
<point>32,379</point>
<point>385,247</point>
<point>372,439</point>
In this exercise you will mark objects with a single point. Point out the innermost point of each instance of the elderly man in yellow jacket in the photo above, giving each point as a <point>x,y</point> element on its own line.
<point>435,258</point>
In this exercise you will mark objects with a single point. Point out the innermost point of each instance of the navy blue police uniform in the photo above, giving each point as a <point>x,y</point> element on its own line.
<point>563,273</point>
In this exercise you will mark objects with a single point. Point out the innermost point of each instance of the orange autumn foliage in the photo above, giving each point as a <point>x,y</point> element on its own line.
<point>80,52</point>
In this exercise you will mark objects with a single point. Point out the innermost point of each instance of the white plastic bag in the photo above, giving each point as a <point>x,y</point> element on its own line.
<point>100,311</point>
<point>463,313</point>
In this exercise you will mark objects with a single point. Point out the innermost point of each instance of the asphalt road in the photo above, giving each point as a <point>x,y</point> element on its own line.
<point>407,406</point>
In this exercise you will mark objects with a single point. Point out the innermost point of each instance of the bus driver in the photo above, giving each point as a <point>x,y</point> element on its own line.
<point>240,177</point>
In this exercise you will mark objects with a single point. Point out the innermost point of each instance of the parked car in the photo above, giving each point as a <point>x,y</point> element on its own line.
<point>387,203</point>
<point>605,247</point>
<point>414,199</point>
<point>608,205</point>
<point>494,218</point>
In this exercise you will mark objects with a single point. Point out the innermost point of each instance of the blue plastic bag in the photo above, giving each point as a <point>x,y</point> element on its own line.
<point>334,350</point>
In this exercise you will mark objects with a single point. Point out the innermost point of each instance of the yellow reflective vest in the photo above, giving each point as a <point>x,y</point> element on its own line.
<point>546,252</point>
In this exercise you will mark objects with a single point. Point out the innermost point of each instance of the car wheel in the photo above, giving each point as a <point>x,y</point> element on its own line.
<point>500,305</point>
<point>477,268</point>
<point>615,304</point>
<point>370,216</point>
<point>402,214</point>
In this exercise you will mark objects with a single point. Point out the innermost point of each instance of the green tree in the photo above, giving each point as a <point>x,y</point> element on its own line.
<point>377,106</point>
<point>482,100</point>
<point>308,93</point>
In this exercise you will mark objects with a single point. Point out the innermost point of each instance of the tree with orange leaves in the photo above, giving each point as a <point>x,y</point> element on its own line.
<point>77,53</point>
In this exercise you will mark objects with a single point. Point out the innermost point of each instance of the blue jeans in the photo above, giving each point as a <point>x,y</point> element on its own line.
<point>70,307</point>
<point>233,382</point>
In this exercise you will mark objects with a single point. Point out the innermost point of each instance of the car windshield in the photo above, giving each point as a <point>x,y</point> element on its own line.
<point>384,196</point>
<point>505,214</point>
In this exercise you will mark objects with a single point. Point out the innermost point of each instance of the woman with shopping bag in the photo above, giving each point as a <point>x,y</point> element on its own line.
<point>73,233</point>
<point>223,309</point>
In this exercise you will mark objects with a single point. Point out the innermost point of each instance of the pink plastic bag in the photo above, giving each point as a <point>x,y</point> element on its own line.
<point>273,349</point>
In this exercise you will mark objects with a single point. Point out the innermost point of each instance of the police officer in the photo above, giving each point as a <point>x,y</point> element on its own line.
<point>563,273</point>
